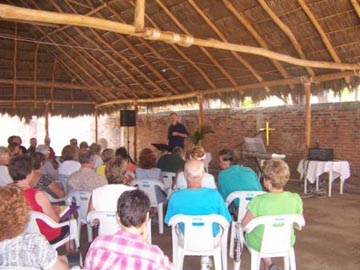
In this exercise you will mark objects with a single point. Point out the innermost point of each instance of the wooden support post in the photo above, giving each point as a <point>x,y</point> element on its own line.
<point>47,120</point>
<point>201,111</point>
<point>139,19</point>
<point>307,89</point>
<point>96,112</point>
<point>135,131</point>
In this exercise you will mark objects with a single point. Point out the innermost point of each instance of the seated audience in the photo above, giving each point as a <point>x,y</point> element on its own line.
<point>95,150</point>
<point>14,149</point>
<point>52,155</point>
<point>70,164</point>
<point>83,146</point>
<point>74,142</point>
<point>172,162</point>
<point>276,174</point>
<point>122,152</point>
<point>18,249</point>
<point>44,181</point>
<point>85,179</point>
<point>234,177</point>
<point>208,181</point>
<point>106,155</point>
<point>197,200</point>
<point>127,248</point>
<point>32,147</point>
<point>21,170</point>
<point>147,171</point>
<point>5,177</point>
<point>105,198</point>
<point>50,165</point>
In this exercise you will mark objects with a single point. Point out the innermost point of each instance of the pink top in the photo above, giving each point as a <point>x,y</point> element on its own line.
<point>125,251</point>
<point>48,232</point>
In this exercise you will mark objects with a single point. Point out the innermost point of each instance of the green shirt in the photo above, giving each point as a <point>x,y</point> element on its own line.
<point>267,204</point>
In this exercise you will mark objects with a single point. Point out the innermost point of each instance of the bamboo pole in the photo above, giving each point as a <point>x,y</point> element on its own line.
<point>135,130</point>
<point>96,123</point>
<point>356,6</point>
<point>139,19</point>
<point>46,119</point>
<point>14,67</point>
<point>30,15</point>
<point>201,111</point>
<point>35,71</point>
<point>307,89</point>
<point>41,101</point>
<point>240,88</point>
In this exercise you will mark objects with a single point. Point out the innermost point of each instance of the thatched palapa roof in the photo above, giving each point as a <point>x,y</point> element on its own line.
<point>70,57</point>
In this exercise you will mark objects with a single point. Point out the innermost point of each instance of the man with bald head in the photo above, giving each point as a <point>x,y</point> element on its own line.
<point>196,200</point>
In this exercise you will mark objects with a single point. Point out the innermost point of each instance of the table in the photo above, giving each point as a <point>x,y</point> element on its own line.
<point>313,169</point>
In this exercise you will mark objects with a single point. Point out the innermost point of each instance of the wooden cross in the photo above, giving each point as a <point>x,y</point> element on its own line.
<point>267,132</point>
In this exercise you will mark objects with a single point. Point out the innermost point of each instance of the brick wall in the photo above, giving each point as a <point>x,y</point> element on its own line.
<point>334,125</point>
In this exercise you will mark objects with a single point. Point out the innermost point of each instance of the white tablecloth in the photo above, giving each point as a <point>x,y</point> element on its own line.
<point>314,169</point>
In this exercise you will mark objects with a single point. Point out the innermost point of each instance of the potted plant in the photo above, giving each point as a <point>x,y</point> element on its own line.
<point>200,133</point>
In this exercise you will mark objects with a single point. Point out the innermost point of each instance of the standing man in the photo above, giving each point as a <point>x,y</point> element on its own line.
<point>176,133</point>
<point>31,149</point>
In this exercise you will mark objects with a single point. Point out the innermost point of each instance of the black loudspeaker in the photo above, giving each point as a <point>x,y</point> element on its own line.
<point>127,118</point>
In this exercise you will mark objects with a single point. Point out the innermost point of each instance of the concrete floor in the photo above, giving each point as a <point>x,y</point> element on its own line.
<point>330,239</point>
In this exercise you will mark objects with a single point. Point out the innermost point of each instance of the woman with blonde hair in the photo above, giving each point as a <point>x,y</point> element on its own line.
<point>277,201</point>
<point>18,249</point>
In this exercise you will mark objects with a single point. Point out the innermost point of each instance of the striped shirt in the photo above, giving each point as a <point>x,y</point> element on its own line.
<point>125,251</point>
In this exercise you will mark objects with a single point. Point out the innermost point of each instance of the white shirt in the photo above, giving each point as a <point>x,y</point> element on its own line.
<point>208,181</point>
<point>69,166</point>
<point>5,177</point>
<point>105,198</point>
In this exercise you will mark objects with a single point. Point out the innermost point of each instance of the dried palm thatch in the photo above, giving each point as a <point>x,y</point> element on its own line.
<point>70,65</point>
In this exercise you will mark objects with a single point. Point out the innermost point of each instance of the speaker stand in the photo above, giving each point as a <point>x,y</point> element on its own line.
<point>128,140</point>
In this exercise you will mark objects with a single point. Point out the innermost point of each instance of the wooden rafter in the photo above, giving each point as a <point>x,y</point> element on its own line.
<point>356,6</point>
<point>287,32</point>
<point>205,51</point>
<point>244,21</point>
<point>131,47</point>
<point>223,38</point>
<point>44,101</point>
<point>95,10</point>
<point>139,16</point>
<point>320,30</point>
<point>240,88</point>
<point>11,12</point>
<point>14,67</point>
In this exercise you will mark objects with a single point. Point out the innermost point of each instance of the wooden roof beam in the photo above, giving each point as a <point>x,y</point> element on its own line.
<point>287,32</point>
<point>11,12</point>
<point>244,21</point>
<point>320,30</point>
<point>139,16</point>
<point>223,38</point>
<point>208,55</point>
<point>147,63</point>
<point>240,88</point>
<point>70,102</point>
<point>356,6</point>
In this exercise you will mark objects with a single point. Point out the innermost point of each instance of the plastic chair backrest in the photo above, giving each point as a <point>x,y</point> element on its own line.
<point>198,231</point>
<point>277,232</point>
<point>244,198</point>
<point>108,223</point>
<point>148,186</point>
<point>81,199</point>
<point>168,179</point>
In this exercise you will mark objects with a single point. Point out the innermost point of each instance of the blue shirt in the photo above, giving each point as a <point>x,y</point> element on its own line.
<point>200,201</point>
<point>237,178</point>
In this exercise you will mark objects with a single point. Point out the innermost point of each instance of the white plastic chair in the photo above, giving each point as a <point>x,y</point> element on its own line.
<point>108,223</point>
<point>56,200</point>
<point>244,198</point>
<point>148,186</point>
<point>276,241</point>
<point>168,180</point>
<point>32,227</point>
<point>81,199</point>
<point>198,239</point>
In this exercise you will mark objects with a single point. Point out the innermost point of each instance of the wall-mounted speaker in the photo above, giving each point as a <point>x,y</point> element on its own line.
<point>127,118</point>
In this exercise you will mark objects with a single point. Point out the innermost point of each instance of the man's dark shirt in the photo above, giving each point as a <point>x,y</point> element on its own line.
<point>170,163</point>
<point>176,140</point>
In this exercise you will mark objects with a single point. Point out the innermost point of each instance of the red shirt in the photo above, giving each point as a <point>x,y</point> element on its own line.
<point>48,232</point>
